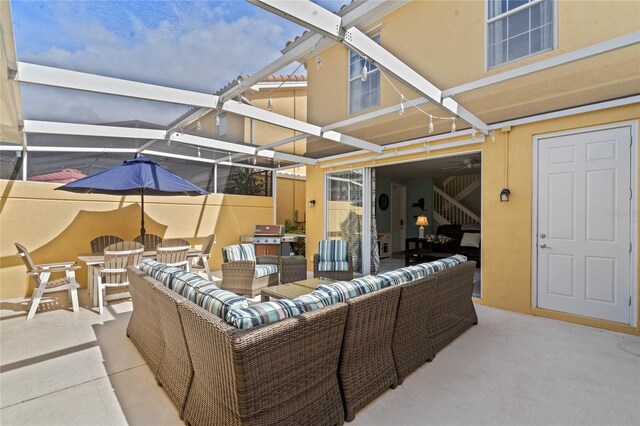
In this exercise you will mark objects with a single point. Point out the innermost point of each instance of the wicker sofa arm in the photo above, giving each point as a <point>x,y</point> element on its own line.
<point>247,379</point>
<point>238,275</point>
<point>267,260</point>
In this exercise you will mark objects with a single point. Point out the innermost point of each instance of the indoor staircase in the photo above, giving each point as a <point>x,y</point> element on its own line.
<point>447,206</point>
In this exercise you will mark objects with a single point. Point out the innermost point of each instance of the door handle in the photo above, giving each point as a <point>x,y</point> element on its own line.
<point>544,246</point>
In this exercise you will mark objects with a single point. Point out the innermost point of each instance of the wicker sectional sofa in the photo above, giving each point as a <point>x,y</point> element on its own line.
<point>317,359</point>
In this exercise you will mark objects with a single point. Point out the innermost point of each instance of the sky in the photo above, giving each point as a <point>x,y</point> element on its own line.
<point>192,45</point>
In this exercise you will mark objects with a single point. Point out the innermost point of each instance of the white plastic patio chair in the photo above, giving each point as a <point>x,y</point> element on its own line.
<point>173,252</point>
<point>201,263</point>
<point>113,273</point>
<point>41,275</point>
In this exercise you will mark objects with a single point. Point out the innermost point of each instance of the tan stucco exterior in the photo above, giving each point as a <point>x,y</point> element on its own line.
<point>58,226</point>
<point>445,42</point>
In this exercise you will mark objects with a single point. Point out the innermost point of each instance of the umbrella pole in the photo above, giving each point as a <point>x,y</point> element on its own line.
<point>142,230</point>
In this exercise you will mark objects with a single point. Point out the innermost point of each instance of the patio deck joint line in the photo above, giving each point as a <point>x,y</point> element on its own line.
<point>72,386</point>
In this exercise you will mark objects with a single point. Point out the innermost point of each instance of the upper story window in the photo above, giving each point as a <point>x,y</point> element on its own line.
<point>222,124</point>
<point>363,94</point>
<point>518,28</point>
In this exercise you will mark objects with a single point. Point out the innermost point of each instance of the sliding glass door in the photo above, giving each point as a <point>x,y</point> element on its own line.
<point>347,213</point>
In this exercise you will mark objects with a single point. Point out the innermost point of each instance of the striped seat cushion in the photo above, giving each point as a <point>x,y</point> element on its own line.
<point>333,250</point>
<point>332,265</point>
<point>344,290</point>
<point>219,302</point>
<point>264,270</point>
<point>240,252</point>
<point>262,313</point>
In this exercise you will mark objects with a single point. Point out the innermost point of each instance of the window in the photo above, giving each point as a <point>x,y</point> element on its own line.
<point>363,94</point>
<point>222,126</point>
<point>518,28</point>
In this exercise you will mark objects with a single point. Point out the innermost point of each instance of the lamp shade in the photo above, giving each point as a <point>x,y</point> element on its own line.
<point>422,221</point>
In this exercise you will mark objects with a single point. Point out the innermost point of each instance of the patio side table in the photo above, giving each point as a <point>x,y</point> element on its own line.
<point>292,268</point>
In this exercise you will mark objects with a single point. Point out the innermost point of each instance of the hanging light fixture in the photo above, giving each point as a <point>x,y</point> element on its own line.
<point>217,120</point>
<point>270,104</point>
<point>401,105</point>
<point>504,195</point>
<point>431,124</point>
<point>453,125</point>
<point>365,71</point>
<point>199,154</point>
<point>198,125</point>
<point>318,62</point>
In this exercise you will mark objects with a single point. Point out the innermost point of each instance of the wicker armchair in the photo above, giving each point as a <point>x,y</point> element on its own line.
<point>333,260</point>
<point>244,273</point>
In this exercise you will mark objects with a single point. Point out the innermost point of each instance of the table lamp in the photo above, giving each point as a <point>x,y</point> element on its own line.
<point>421,222</point>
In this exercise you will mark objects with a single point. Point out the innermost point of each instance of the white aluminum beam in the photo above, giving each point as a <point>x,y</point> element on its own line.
<point>287,157</point>
<point>212,143</point>
<point>57,77</point>
<point>32,148</point>
<point>270,145</point>
<point>313,17</point>
<point>566,58</point>
<point>297,125</point>
<point>363,44</point>
<point>203,160</point>
<point>73,129</point>
<point>288,58</point>
<point>239,148</point>
<point>324,21</point>
<point>386,155</point>
<point>374,114</point>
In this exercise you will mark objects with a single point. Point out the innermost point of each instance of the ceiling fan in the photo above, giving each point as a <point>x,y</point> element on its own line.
<point>465,164</point>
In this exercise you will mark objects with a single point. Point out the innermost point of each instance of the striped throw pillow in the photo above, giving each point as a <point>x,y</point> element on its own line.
<point>333,250</point>
<point>240,252</point>
<point>219,302</point>
<point>345,290</point>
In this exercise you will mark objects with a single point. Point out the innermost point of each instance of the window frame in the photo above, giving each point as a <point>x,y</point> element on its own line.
<point>376,32</point>
<point>554,44</point>
<point>223,124</point>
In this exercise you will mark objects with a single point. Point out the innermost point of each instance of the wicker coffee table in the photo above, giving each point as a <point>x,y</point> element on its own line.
<point>292,290</point>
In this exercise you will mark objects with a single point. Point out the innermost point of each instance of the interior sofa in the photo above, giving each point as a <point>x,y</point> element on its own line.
<point>456,233</point>
<point>349,341</point>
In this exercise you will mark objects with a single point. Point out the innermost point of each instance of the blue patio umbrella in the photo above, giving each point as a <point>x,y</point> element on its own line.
<point>138,176</point>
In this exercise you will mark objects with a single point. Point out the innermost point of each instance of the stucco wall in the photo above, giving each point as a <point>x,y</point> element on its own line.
<point>507,227</point>
<point>57,226</point>
<point>287,190</point>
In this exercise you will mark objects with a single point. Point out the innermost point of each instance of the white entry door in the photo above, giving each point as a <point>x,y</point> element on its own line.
<point>584,224</point>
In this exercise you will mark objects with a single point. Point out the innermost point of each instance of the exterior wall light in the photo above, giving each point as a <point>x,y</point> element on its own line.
<point>312,203</point>
<point>504,195</point>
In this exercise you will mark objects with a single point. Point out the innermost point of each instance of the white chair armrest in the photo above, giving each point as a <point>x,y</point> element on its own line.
<point>53,265</point>
<point>38,270</point>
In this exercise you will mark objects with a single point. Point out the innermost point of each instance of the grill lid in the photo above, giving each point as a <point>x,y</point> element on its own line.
<point>268,230</point>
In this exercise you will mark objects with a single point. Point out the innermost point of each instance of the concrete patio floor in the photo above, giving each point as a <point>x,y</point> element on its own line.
<point>511,369</point>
